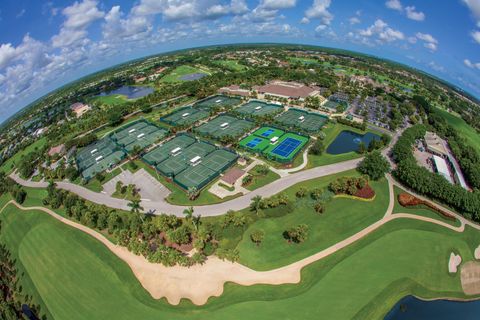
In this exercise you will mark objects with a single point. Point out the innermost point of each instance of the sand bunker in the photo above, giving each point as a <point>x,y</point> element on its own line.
<point>454,262</point>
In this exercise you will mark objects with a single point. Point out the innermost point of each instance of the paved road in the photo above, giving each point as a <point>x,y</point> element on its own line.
<point>158,207</point>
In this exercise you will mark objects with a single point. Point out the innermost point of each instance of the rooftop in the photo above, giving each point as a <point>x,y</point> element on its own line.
<point>287,89</point>
<point>232,175</point>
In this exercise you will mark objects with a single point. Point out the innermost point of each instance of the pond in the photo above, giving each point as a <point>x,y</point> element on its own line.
<point>414,308</point>
<point>130,92</point>
<point>348,141</point>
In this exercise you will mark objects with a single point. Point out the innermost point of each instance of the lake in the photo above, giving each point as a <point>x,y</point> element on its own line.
<point>130,92</point>
<point>412,308</point>
<point>348,141</point>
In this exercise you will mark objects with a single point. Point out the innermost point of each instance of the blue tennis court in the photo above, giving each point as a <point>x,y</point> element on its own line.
<point>252,144</point>
<point>267,133</point>
<point>286,147</point>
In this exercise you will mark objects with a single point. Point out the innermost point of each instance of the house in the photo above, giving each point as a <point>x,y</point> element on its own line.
<point>60,150</point>
<point>435,144</point>
<point>231,176</point>
<point>79,108</point>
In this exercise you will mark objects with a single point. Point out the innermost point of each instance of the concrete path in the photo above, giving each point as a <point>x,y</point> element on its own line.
<point>161,206</point>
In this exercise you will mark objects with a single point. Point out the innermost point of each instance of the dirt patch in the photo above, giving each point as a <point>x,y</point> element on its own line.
<point>407,200</point>
<point>470,277</point>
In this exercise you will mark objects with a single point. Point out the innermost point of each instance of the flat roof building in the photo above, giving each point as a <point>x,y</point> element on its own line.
<point>235,90</point>
<point>435,144</point>
<point>442,168</point>
<point>288,90</point>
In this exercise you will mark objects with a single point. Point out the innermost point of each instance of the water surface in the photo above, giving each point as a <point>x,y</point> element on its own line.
<point>130,92</point>
<point>348,141</point>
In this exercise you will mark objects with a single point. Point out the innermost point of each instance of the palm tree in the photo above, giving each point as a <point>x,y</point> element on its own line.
<point>256,203</point>
<point>188,212</point>
<point>196,222</point>
<point>135,206</point>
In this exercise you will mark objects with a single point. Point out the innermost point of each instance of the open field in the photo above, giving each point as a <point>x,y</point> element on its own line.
<point>179,72</point>
<point>260,180</point>
<point>96,285</point>
<point>466,131</point>
<point>342,218</point>
<point>7,166</point>
<point>231,65</point>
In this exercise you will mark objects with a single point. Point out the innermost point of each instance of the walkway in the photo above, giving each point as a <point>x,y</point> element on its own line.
<point>200,282</point>
<point>161,206</point>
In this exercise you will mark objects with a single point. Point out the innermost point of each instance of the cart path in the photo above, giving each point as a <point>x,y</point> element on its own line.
<point>200,282</point>
<point>161,206</point>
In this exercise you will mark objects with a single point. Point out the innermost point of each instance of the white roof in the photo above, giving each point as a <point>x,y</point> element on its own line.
<point>140,135</point>
<point>223,125</point>
<point>195,159</point>
<point>301,118</point>
<point>442,168</point>
<point>258,108</point>
<point>274,139</point>
<point>93,151</point>
<point>98,158</point>
<point>132,130</point>
<point>185,114</point>
<point>219,100</point>
<point>177,149</point>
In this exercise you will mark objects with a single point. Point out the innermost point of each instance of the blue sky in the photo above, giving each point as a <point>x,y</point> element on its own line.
<point>44,44</point>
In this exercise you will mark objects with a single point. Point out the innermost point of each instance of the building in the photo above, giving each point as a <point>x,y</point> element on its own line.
<point>442,168</point>
<point>231,176</point>
<point>286,90</point>
<point>79,108</point>
<point>60,149</point>
<point>436,145</point>
<point>234,90</point>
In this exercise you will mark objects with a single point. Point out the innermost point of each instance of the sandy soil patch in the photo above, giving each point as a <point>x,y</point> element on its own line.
<point>470,277</point>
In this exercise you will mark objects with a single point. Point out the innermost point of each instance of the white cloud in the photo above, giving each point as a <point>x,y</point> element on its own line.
<point>319,10</point>
<point>20,14</point>
<point>394,5</point>
<point>354,20</point>
<point>382,32</point>
<point>414,15</point>
<point>7,54</point>
<point>471,65</point>
<point>305,20</point>
<point>474,6</point>
<point>429,41</point>
<point>278,4</point>
<point>476,36</point>
<point>436,67</point>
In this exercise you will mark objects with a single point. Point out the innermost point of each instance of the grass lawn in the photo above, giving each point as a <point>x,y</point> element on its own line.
<point>97,186</point>
<point>112,100</point>
<point>466,131</point>
<point>175,75</point>
<point>8,165</point>
<point>231,65</point>
<point>342,218</point>
<point>76,277</point>
<point>420,210</point>
<point>260,180</point>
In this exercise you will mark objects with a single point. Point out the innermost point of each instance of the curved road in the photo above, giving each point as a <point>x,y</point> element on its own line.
<point>158,207</point>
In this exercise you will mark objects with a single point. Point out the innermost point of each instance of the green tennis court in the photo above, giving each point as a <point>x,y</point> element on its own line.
<point>140,134</point>
<point>219,160</point>
<point>198,177</point>
<point>254,143</point>
<point>218,101</point>
<point>257,108</point>
<point>295,118</point>
<point>162,152</point>
<point>185,116</point>
<point>98,157</point>
<point>225,125</point>
<point>268,132</point>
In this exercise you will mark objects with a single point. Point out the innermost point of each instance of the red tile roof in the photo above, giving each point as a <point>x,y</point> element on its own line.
<point>232,175</point>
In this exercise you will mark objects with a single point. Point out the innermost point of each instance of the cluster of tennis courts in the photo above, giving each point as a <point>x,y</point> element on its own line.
<point>140,134</point>
<point>186,116</point>
<point>189,162</point>
<point>307,121</point>
<point>98,157</point>
<point>274,144</point>
<point>218,101</point>
<point>225,126</point>
<point>256,108</point>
